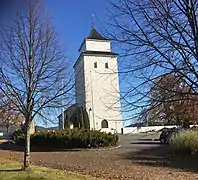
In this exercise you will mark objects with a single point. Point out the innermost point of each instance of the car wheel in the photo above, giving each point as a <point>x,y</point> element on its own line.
<point>162,141</point>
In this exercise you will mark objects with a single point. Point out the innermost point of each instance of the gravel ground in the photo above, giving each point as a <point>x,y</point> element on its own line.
<point>150,161</point>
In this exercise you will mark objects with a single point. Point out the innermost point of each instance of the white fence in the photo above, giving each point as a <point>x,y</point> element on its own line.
<point>134,130</point>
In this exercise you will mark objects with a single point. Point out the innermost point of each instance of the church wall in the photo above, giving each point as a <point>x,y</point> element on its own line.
<point>98,45</point>
<point>102,91</point>
<point>80,83</point>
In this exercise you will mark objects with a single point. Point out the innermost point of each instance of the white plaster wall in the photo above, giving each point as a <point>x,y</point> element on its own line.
<point>102,89</point>
<point>108,130</point>
<point>98,45</point>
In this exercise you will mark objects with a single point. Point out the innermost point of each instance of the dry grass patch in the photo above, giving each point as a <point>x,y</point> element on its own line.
<point>10,171</point>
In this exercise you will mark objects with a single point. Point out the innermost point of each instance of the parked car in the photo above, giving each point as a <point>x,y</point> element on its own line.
<point>167,134</point>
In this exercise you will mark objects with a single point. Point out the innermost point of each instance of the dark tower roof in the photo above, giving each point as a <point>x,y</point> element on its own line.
<point>95,35</point>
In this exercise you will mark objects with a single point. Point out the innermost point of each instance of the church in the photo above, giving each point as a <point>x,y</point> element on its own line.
<point>97,84</point>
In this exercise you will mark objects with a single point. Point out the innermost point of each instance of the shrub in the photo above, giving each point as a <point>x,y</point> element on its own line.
<point>185,142</point>
<point>69,138</point>
<point>66,121</point>
<point>80,118</point>
<point>18,136</point>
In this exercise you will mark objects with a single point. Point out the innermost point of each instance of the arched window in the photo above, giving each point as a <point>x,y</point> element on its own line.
<point>104,124</point>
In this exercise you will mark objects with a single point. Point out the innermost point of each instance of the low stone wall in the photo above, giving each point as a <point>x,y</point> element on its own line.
<point>134,130</point>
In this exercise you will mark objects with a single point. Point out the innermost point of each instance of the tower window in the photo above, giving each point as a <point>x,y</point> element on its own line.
<point>95,65</point>
<point>106,65</point>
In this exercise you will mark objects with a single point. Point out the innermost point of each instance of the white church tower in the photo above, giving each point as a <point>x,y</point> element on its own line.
<point>97,84</point>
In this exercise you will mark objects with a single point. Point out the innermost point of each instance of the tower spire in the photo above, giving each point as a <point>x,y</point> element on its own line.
<point>92,20</point>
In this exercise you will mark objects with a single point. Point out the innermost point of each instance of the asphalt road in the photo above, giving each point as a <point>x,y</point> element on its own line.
<point>140,141</point>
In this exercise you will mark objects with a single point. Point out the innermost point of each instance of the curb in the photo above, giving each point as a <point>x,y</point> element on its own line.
<point>97,149</point>
<point>111,148</point>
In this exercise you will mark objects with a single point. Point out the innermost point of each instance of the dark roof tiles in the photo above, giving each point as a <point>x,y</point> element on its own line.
<point>95,35</point>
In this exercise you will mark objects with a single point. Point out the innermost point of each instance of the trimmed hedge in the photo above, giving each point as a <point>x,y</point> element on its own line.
<point>68,139</point>
<point>18,136</point>
<point>185,142</point>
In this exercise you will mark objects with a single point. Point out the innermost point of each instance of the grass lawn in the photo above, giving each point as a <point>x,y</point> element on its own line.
<point>12,171</point>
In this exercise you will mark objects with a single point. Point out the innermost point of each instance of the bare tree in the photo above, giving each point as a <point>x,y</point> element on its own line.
<point>32,67</point>
<point>8,116</point>
<point>156,38</point>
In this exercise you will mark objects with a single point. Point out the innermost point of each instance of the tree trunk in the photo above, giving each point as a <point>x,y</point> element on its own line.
<point>7,129</point>
<point>26,162</point>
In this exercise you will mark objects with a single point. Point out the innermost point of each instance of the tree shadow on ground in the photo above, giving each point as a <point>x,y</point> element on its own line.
<point>11,170</point>
<point>145,142</point>
<point>163,156</point>
<point>148,140</point>
<point>14,147</point>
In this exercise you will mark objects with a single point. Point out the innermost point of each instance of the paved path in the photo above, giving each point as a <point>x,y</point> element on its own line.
<point>140,141</point>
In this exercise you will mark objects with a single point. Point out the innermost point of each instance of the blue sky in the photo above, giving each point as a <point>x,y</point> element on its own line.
<point>72,20</point>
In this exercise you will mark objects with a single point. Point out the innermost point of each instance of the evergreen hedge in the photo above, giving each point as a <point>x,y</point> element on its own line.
<point>79,119</point>
<point>68,139</point>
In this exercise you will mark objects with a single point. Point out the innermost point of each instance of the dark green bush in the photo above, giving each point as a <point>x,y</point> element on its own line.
<point>80,118</point>
<point>18,136</point>
<point>69,138</point>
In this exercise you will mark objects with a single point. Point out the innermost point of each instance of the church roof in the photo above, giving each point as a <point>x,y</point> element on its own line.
<point>95,53</point>
<point>70,110</point>
<point>95,35</point>
<point>100,53</point>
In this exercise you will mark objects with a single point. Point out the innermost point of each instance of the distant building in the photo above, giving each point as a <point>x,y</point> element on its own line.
<point>97,84</point>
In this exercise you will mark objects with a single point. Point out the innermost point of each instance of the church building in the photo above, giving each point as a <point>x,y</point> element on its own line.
<point>97,83</point>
